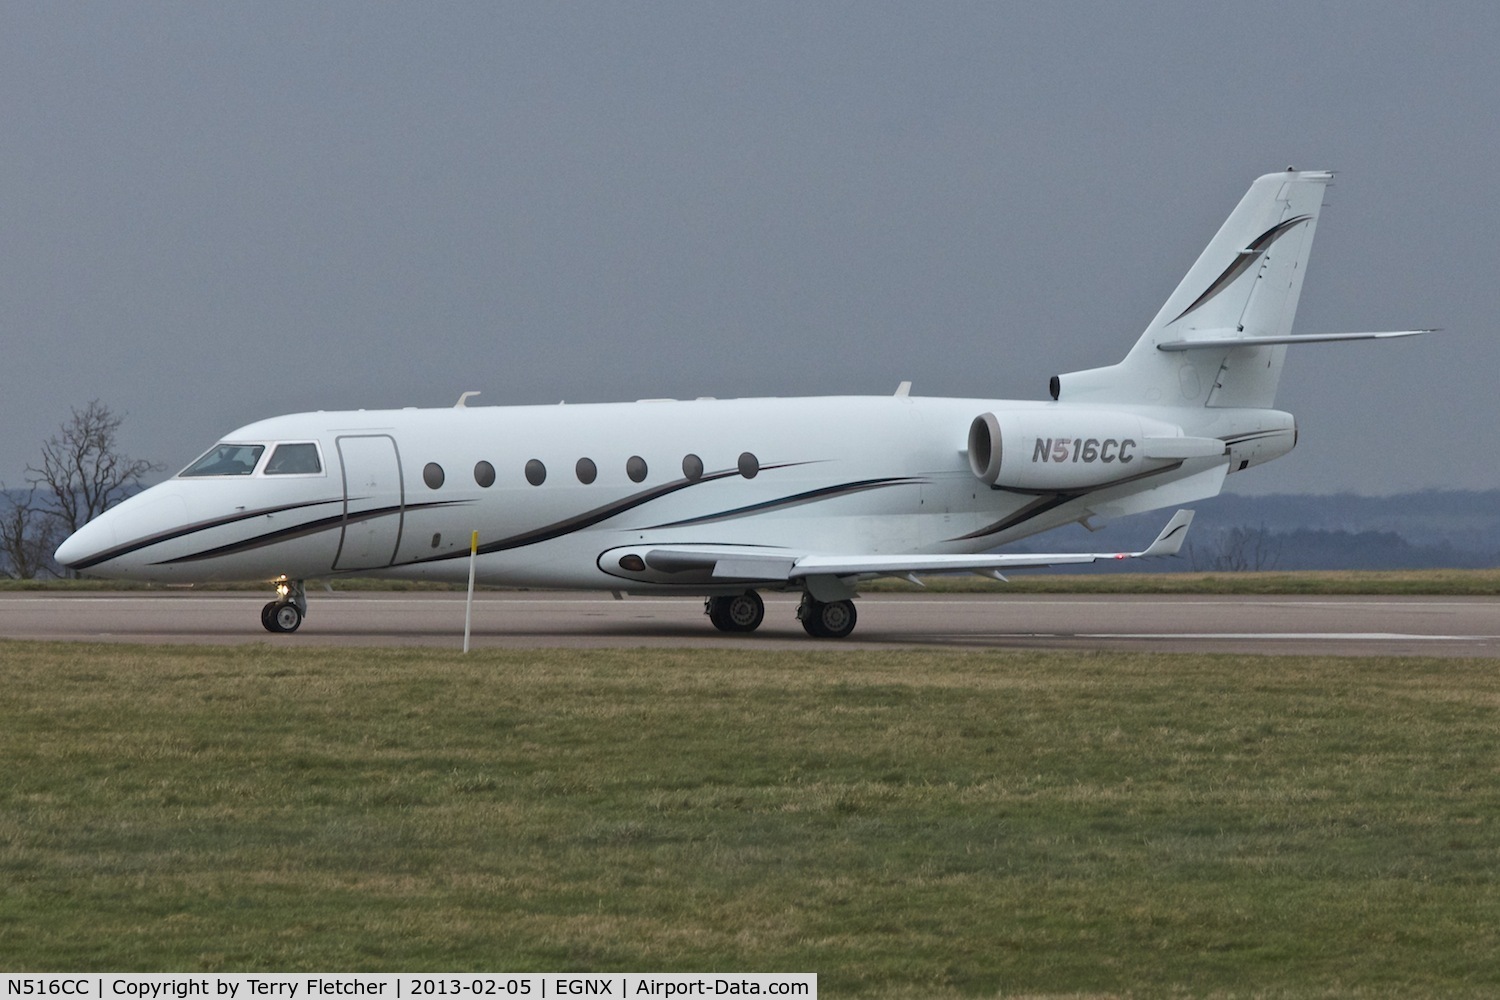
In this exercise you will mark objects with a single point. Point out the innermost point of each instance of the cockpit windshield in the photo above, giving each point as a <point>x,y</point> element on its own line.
<point>226,460</point>
<point>299,459</point>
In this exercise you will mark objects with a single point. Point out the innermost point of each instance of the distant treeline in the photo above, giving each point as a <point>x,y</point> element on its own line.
<point>1431,529</point>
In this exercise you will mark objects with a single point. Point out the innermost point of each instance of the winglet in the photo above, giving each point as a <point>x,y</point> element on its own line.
<point>1169,542</point>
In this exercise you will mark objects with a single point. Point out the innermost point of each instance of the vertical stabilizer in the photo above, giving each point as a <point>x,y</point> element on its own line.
<point>1244,286</point>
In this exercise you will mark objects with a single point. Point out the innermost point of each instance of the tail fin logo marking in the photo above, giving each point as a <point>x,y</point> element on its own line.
<point>1243,261</point>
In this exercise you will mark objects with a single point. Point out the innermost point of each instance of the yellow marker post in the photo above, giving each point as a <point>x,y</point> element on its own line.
<point>469,604</point>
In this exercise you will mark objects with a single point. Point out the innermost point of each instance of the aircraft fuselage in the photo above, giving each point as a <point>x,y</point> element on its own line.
<point>551,490</point>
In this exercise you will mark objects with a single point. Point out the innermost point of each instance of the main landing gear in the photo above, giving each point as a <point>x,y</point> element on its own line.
<point>826,619</point>
<point>285,614</point>
<point>744,613</point>
<point>739,613</point>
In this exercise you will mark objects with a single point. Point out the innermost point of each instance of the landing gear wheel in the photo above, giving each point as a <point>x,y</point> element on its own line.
<point>279,617</point>
<point>827,620</point>
<point>738,613</point>
<point>285,614</point>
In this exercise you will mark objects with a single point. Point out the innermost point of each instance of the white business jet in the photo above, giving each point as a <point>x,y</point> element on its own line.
<point>726,498</point>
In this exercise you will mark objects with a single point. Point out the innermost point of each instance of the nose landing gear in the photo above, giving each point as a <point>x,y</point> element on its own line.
<point>285,614</point>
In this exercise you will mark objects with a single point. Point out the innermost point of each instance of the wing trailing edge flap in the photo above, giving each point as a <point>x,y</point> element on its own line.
<point>722,564</point>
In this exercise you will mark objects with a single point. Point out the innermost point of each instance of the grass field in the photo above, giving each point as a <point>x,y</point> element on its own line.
<point>904,824</point>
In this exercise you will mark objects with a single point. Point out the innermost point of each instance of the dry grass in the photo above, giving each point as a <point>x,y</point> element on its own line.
<point>904,824</point>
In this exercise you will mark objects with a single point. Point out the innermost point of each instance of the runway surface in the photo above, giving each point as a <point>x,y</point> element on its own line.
<point>1350,626</point>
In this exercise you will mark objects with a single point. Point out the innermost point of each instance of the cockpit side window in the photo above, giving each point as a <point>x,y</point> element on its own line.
<point>300,459</point>
<point>226,460</point>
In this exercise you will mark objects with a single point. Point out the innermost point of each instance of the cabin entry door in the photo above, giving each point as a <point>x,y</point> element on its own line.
<point>374,502</point>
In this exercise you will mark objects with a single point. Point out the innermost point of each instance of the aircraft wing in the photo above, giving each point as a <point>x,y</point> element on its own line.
<point>1168,543</point>
<point>725,564</point>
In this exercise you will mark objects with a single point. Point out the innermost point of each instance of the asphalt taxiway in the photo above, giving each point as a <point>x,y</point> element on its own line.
<point>1349,626</point>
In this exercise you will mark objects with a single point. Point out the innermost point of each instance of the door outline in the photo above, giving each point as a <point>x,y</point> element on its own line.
<point>374,540</point>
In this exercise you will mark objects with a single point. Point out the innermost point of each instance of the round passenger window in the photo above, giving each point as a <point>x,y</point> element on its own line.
<point>749,465</point>
<point>587,471</point>
<point>635,468</point>
<point>536,472</point>
<point>432,475</point>
<point>484,474</point>
<point>692,468</point>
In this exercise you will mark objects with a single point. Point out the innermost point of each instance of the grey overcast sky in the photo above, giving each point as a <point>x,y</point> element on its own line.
<point>214,213</point>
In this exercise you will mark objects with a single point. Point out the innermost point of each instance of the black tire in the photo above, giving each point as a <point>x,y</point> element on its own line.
<point>268,617</point>
<point>830,620</point>
<point>737,613</point>
<point>746,611</point>
<point>286,618</point>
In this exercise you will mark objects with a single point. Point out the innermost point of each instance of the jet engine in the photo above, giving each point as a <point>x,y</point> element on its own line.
<point>1052,449</point>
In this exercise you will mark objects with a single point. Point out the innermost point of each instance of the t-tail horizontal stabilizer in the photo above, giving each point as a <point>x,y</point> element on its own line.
<point>1191,343</point>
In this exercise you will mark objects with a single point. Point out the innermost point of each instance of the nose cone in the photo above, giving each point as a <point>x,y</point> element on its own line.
<point>85,547</point>
<point>120,542</point>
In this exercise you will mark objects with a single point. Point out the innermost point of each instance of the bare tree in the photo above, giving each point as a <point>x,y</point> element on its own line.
<point>28,535</point>
<point>1239,550</point>
<point>82,471</point>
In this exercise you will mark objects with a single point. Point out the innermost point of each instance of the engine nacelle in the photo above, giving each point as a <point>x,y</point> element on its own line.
<point>1070,449</point>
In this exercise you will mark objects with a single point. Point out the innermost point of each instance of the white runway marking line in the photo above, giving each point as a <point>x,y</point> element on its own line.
<point>1328,636</point>
<point>1227,636</point>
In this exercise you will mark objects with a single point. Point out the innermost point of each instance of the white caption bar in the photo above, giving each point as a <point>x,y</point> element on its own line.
<point>402,986</point>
